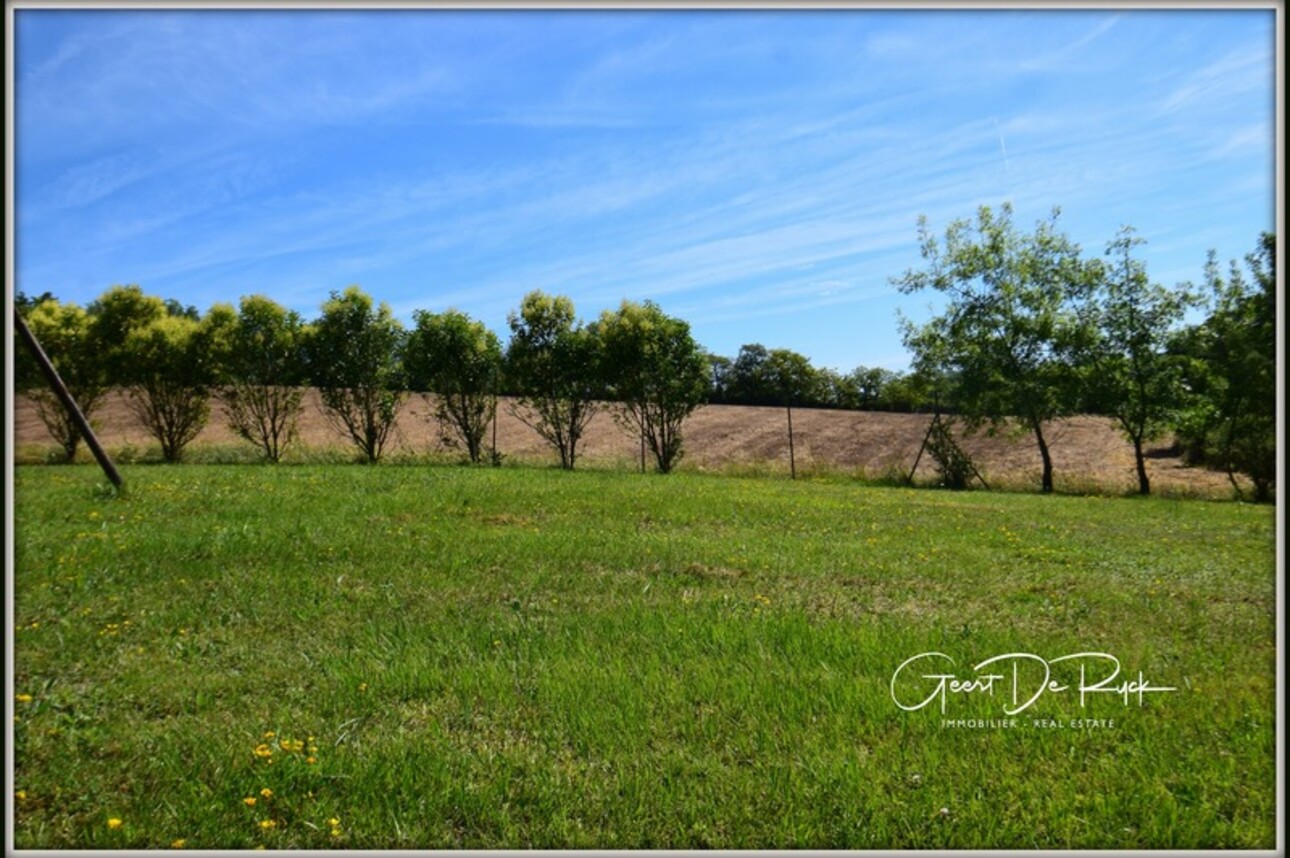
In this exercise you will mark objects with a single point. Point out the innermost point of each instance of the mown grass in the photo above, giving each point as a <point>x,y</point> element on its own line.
<point>525,657</point>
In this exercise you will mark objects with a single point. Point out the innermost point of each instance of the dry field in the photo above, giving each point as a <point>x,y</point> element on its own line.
<point>1088,453</point>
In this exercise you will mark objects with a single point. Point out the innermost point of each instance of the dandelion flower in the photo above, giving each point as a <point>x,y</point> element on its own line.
<point>311,760</point>
<point>266,792</point>
<point>178,844</point>
<point>268,734</point>
<point>22,698</point>
<point>249,801</point>
<point>267,824</point>
<point>114,823</point>
<point>263,751</point>
<point>21,795</point>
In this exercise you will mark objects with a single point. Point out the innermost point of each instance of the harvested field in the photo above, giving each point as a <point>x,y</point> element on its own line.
<point>1089,454</point>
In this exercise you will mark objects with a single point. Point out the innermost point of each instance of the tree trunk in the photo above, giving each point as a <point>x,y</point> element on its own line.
<point>1144,483</point>
<point>1038,428</point>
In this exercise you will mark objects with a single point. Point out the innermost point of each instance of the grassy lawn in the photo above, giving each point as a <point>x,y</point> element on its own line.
<point>405,657</point>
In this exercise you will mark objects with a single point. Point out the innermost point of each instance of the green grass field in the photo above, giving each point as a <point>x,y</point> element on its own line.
<point>406,657</point>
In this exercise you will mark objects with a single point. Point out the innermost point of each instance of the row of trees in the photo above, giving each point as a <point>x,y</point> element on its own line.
<point>1031,330</point>
<point>257,359</point>
<point>762,376</point>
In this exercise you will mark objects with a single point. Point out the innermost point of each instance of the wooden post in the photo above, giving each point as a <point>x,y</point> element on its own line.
<point>494,459</point>
<point>792,462</point>
<point>919,457</point>
<point>64,396</point>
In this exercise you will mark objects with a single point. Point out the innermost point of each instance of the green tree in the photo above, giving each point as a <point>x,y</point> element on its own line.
<point>114,315</point>
<point>1232,371</point>
<point>170,370</point>
<point>656,371</point>
<point>63,331</point>
<point>354,361</point>
<point>263,368</point>
<point>791,378</point>
<point>867,387</point>
<point>554,362</point>
<point>719,378</point>
<point>459,360</point>
<point>747,380</point>
<point>24,303</point>
<point>1130,373</point>
<point>1008,329</point>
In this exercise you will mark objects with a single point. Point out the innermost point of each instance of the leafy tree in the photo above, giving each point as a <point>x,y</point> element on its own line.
<point>922,390</point>
<point>459,360</point>
<point>24,303</point>
<point>719,378</point>
<point>791,378</point>
<point>747,380</point>
<point>114,315</point>
<point>762,376</point>
<point>63,333</point>
<point>1129,371</point>
<point>1232,371</point>
<point>555,364</point>
<point>178,308</point>
<point>354,360</point>
<point>263,369</point>
<point>170,372</point>
<point>1008,328</point>
<point>867,386</point>
<point>656,371</point>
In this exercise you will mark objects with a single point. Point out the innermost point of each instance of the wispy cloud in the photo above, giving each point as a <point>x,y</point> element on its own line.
<point>746,170</point>
<point>1236,73</point>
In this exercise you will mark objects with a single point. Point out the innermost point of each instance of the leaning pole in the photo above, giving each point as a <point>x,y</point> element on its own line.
<point>51,375</point>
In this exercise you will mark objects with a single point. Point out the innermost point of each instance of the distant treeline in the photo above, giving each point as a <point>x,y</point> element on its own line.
<point>1032,331</point>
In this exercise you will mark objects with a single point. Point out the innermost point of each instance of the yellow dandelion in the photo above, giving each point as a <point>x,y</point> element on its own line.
<point>362,686</point>
<point>114,823</point>
<point>249,801</point>
<point>268,823</point>
<point>263,751</point>
<point>335,832</point>
<point>266,792</point>
<point>21,795</point>
<point>333,822</point>
<point>22,698</point>
<point>310,760</point>
<point>268,734</point>
<point>178,844</point>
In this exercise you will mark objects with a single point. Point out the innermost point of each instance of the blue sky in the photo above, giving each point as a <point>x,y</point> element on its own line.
<point>759,174</point>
